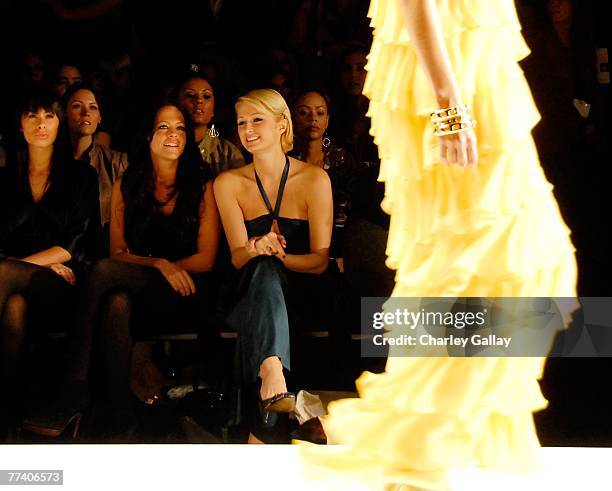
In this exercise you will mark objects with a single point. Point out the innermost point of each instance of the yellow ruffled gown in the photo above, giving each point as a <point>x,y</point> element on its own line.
<point>493,231</point>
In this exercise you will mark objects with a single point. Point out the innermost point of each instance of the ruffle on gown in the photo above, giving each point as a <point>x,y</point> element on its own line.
<point>424,416</point>
<point>491,231</point>
<point>482,219</point>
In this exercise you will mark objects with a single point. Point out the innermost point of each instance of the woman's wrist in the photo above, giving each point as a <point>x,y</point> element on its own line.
<point>250,247</point>
<point>448,97</point>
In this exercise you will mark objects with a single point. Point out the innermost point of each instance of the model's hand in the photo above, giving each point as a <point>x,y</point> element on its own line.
<point>271,244</point>
<point>178,278</point>
<point>64,271</point>
<point>459,148</point>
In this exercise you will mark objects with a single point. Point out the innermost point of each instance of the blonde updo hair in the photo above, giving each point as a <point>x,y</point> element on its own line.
<point>269,101</point>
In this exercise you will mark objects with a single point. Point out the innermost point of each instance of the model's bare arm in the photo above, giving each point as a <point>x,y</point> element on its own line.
<point>422,21</point>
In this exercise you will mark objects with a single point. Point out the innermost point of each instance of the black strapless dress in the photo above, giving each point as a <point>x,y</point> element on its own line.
<point>295,231</point>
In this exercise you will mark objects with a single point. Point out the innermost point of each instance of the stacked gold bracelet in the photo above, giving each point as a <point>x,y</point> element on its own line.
<point>452,120</point>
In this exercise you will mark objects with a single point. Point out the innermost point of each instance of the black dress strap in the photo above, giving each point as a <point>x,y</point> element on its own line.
<point>279,195</point>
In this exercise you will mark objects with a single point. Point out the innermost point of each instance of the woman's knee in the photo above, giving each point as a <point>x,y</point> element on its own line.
<point>266,276</point>
<point>264,267</point>
<point>14,314</point>
<point>4,265</point>
<point>9,269</point>
<point>104,268</point>
<point>118,303</point>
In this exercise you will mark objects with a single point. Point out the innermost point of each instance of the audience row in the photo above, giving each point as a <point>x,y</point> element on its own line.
<point>66,196</point>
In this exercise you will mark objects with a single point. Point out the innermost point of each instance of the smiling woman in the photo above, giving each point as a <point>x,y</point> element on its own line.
<point>164,236</point>
<point>281,250</point>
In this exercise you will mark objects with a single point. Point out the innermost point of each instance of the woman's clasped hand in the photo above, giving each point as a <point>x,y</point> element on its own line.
<point>271,244</point>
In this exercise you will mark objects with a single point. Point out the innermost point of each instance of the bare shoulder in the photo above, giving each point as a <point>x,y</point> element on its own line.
<point>231,178</point>
<point>310,174</point>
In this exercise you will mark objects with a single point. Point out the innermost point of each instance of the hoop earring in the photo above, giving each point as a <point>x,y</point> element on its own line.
<point>212,132</point>
<point>326,142</point>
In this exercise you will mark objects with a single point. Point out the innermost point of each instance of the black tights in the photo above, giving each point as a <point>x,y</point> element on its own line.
<point>25,287</point>
<point>122,299</point>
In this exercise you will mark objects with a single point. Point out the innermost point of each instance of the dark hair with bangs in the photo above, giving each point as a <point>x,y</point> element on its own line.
<point>34,100</point>
<point>138,182</point>
<point>39,98</point>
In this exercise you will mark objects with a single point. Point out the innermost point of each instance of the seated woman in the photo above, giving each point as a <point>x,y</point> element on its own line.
<point>366,229</point>
<point>277,215</point>
<point>310,111</point>
<point>49,209</point>
<point>83,116</point>
<point>196,97</point>
<point>164,235</point>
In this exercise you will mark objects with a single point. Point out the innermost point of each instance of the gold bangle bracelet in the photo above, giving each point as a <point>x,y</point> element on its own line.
<point>451,129</point>
<point>444,114</point>
<point>453,120</point>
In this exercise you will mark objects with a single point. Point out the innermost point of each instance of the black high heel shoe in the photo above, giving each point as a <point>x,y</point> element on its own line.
<point>280,403</point>
<point>62,417</point>
<point>55,425</point>
<point>283,402</point>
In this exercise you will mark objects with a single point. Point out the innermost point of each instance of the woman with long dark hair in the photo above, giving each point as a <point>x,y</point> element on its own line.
<point>164,235</point>
<point>83,118</point>
<point>49,212</point>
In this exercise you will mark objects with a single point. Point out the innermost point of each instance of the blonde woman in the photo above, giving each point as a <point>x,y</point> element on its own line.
<point>277,214</point>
